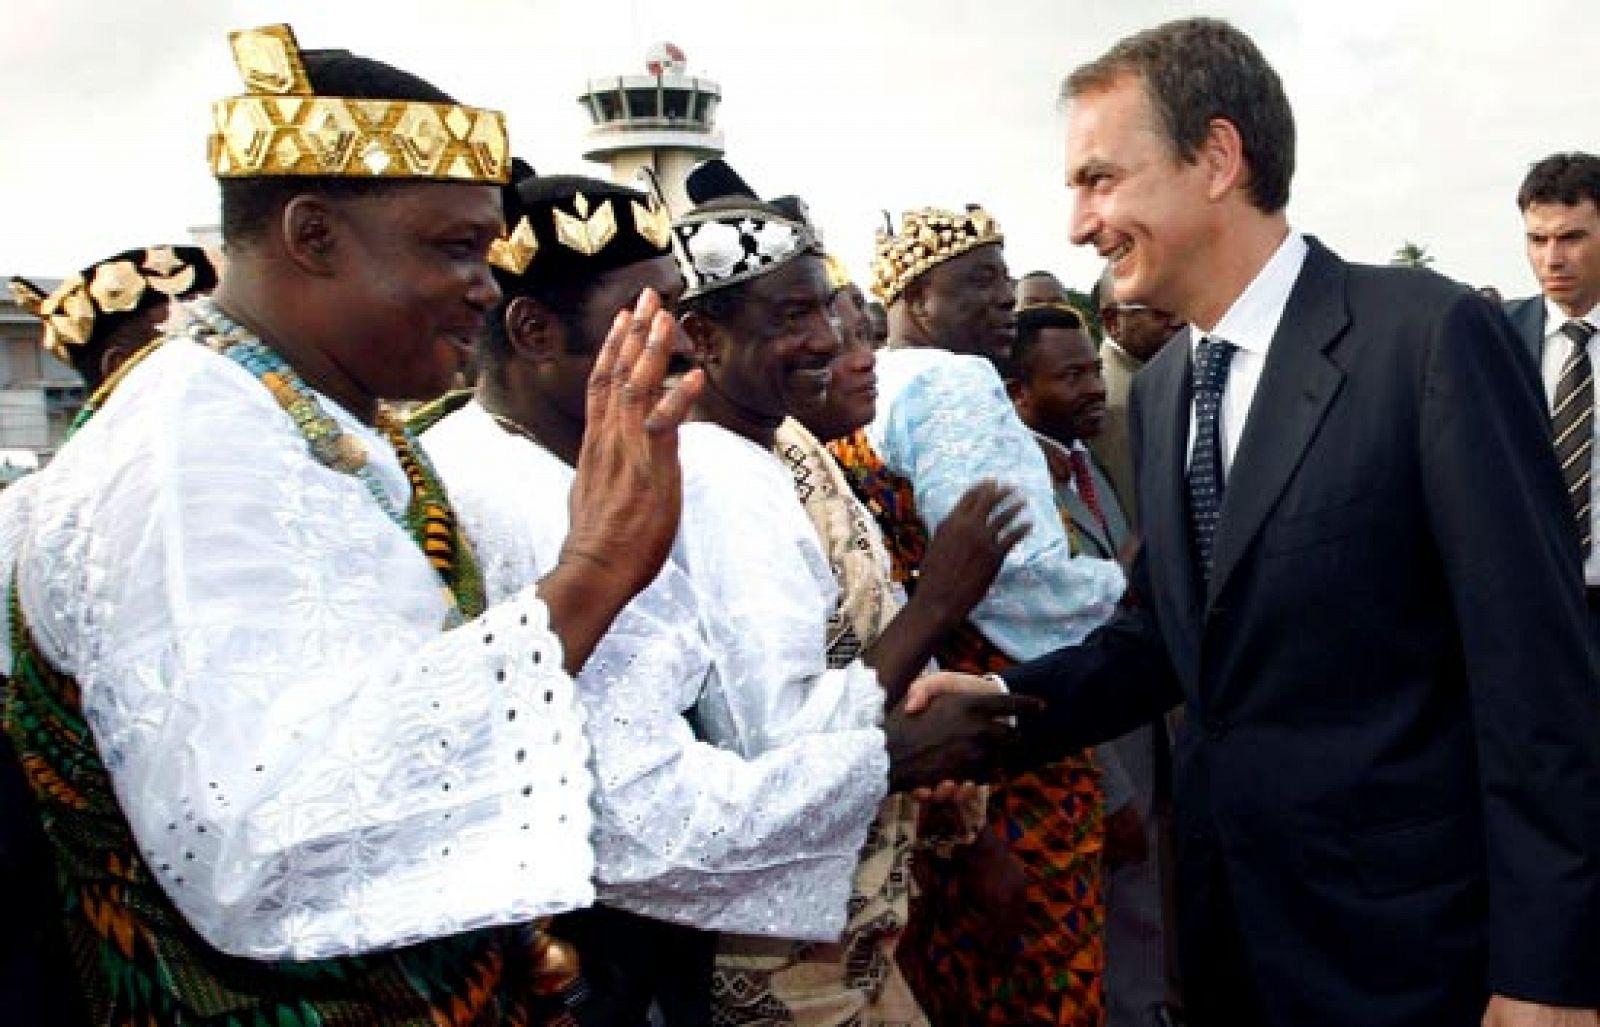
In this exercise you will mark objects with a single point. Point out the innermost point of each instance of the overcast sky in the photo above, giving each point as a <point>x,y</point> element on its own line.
<point>1417,118</point>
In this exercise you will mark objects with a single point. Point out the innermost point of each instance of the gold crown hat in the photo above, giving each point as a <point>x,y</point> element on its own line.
<point>927,237</point>
<point>282,128</point>
<point>838,274</point>
<point>86,305</point>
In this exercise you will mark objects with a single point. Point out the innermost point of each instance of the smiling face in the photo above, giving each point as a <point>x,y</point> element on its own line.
<point>1141,207</point>
<point>851,401</point>
<point>1564,251</point>
<point>413,284</point>
<point>770,357</point>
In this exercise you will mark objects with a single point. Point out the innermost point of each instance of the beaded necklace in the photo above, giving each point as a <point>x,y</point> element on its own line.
<point>427,518</point>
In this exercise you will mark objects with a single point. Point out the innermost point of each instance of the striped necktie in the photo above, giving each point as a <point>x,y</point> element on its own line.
<point>1572,423</point>
<point>1212,358</point>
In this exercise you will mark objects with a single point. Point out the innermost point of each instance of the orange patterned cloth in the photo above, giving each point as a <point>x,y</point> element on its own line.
<point>1052,972</point>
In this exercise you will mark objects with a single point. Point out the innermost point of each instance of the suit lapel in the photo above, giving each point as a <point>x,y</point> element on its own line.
<point>1298,383</point>
<point>1110,505</point>
<point>1528,318</point>
<point>1164,411</point>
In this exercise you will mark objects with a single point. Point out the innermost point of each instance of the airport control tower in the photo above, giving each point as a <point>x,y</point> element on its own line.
<point>664,120</point>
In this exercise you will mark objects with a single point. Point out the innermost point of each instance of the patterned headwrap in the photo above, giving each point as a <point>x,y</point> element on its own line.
<point>731,236</point>
<point>93,303</point>
<point>568,228</point>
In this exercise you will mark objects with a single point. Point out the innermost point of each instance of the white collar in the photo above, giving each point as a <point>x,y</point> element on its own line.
<point>1253,319</point>
<point>1555,317</point>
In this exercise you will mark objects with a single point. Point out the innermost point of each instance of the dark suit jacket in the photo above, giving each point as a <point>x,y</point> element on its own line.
<point>1392,747</point>
<point>1527,317</point>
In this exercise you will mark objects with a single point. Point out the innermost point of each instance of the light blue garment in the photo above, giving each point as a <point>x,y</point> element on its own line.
<point>945,423</point>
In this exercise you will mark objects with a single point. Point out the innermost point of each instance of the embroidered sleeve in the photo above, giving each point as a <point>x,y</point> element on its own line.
<point>759,844</point>
<point>764,844</point>
<point>311,766</point>
<point>953,426</point>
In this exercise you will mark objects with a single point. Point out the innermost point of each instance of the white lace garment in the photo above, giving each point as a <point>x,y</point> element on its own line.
<point>757,829</point>
<point>311,766</point>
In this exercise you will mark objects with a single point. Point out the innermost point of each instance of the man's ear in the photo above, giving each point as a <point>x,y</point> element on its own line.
<point>1021,398</point>
<point>917,300</point>
<point>1111,322</point>
<point>112,358</point>
<point>536,335</point>
<point>703,338</point>
<point>1221,154</point>
<point>308,234</point>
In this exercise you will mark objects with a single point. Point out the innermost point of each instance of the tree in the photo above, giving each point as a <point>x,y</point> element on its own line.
<point>1410,254</point>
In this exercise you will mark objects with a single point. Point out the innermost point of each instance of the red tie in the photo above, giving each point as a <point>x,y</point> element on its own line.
<point>1084,482</point>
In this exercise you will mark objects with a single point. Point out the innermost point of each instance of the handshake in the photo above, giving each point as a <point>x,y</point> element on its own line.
<point>951,728</point>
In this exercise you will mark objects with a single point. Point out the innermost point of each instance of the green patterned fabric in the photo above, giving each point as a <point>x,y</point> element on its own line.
<point>141,963</point>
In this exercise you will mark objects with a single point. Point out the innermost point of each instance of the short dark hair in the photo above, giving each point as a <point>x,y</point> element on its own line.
<point>1565,178</point>
<point>1031,323</point>
<point>1198,69</point>
<point>249,205</point>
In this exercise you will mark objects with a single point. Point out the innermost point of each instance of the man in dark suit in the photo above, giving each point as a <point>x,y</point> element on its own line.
<point>1359,575</point>
<point>1560,204</point>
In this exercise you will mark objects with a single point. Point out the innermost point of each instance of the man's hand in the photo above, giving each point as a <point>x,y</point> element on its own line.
<point>628,492</point>
<point>966,552</point>
<point>955,792</point>
<point>946,682</point>
<point>1511,1012</point>
<point>955,738</point>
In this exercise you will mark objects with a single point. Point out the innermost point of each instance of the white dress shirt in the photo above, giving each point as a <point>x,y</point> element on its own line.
<point>1249,324</point>
<point>1557,347</point>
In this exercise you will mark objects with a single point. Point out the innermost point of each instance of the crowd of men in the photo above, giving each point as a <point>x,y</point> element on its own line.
<point>490,598</point>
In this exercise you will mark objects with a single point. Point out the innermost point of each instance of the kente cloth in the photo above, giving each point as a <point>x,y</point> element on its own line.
<point>1052,971</point>
<point>753,828</point>
<point>856,979</point>
<point>277,790</point>
<point>945,423</point>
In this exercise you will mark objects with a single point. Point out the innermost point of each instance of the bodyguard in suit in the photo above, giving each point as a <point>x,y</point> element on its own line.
<point>1560,204</point>
<point>1358,574</point>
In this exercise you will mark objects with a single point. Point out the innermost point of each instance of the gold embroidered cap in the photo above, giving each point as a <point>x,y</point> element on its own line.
<point>282,128</point>
<point>927,237</point>
<point>85,306</point>
<point>567,227</point>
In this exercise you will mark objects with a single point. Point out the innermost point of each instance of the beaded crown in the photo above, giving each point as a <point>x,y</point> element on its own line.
<point>87,304</point>
<point>282,128</point>
<point>927,237</point>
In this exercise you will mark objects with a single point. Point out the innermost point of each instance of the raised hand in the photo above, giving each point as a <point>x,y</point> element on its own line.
<point>628,493</point>
<point>966,552</point>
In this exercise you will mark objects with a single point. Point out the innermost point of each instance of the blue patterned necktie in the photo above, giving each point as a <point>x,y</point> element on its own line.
<point>1211,361</point>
